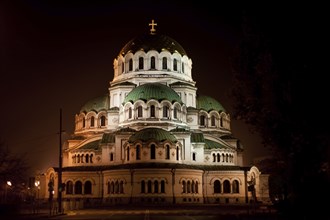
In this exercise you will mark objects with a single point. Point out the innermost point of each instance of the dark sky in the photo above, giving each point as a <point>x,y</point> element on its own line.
<point>59,54</point>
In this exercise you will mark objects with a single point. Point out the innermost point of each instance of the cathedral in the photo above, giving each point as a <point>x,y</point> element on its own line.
<point>153,139</point>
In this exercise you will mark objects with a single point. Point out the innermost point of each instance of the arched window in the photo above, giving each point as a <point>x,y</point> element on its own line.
<point>152,151</point>
<point>156,186</point>
<point>88,187</point>
<point>188,186</point>
<point>162,186</point>
<point>84,122</point>
<point>121,187</point>
<point>194,156</point>
<point>91,158</point>
<point>127,153</point>
<point>108,188</point>
<point>214,157</point>
<point>175,113</point>
<point>184,186</point>
<point>223,157</point>
<point>149,186</point>
<point>165,111</point>
<point>112,187</point>
<point>87,158</point>
<point>141,63</point>
<point>177,153</point>
<point>196,187</point>
<point>164,63</point>
<point>182,67</point>
<point>175,65</point>
<point>217,186</point>
<point>212,120</point>
<point>152,111</point>
<point>193,186</point>
<point>122,67</point>
<point>138,152</point>
<point>221,122</point>
<point>218,157</point>
<point>152,63</point>
<point>167,152</point>
<point>226,186</point>
<point>111,156</point>
<point>140,111</point>
<point>227,158</point>
<point>130,65</point>
<point>116,187</point>
<point>69,187</point>
<point>235,186</point>
<point>78,187</point>
<point>82,158</point>
<point>143,189</point>
<point>202,120</point>
<point>78,158</point>
<point>130,113</point>
<point>92,121</point>
<point>102,120</point>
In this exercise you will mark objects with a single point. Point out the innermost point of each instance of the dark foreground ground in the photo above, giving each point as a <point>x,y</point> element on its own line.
<point>136,212</point>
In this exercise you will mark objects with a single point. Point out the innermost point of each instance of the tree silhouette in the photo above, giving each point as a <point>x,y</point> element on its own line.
<point>280,90</point>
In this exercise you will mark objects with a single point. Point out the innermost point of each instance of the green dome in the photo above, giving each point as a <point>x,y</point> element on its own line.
<point>149,91</point>
<point>154,134</point>
<point>207,103</point>
<point>97,104</point>
<point>156,42</point>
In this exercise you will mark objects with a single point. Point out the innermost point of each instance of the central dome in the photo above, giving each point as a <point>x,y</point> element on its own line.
<point>149,91</point>
<point>156,42</point>
<point>152,134</point>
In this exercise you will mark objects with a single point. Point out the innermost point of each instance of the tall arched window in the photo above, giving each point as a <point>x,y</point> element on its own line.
<point>78,187</point>
<point>130,112</point>
<point>143,186</point>
<point>175,65</point>
<point>130,65</point>
<point>152,151</point>
<point>88,187</point>
<point>175,113</point>
<point>164,63</point>
<point>87,158</point>
<point>165,111</point>
<point>226,186</point>
<point>177,153</point>
<point>183,67</point>
<point>196,187</point>
<point>149,186</point>
<point>235,186</point>
<point>214,157</point>
<point>112,187</point>
<point>102,120</point>
<point>194,156</point>
<point>188,186</point>
<point>153,63</point>
<point>217,186</point>
<point>138,152</point>
<point>212,120</point>
<point>221,122</point>
<point>156,186</point>
<point>218,157</point>
<point>184,186</point>
<point>141,63</point>
<point>84,122</point>
<point>202,120</point>
<point>127,153</point>
<point>69,187</point>
<point>162,186</point>
<point>139,111</point>
<point>167,153</point>
<point>92,121</point>
<point>152,111</point>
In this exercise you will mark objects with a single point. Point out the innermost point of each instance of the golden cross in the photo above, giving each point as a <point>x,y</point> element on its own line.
<point>152,24</point>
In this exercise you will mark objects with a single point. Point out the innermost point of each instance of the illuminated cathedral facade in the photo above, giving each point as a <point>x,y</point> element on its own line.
<point>153,139</point>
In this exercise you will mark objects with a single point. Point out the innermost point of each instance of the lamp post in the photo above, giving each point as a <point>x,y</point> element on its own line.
<point>37,184</point>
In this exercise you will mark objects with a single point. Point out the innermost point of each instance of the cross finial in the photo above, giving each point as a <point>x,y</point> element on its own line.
<point>152,24</point>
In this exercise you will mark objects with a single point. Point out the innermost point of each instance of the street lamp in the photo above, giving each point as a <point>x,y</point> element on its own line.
<point>6,189</point>
<point>37,184</point>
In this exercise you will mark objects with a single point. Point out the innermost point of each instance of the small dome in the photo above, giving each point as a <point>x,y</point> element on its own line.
<point>97,104</point>
<point>152,134</point>
<point>149,91</point>
<point>156,42</point>
<point>208,104</point>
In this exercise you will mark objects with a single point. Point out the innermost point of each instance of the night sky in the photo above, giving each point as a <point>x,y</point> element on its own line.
<point>59,54</point>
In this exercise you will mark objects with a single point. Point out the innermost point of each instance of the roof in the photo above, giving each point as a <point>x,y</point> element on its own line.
<point>108,138</point>
<point>97,104</point>
<point>149,91</point>
<point>208,104</point>
<point>152,134</point>
<point>94,145</point>
<point>197,137</point>
<point>213,145</point>
<point>147,42</point>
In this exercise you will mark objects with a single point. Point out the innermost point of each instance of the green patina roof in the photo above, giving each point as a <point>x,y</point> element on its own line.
<point>155,134</point>
<point>108,138</point>
<point>97,104</point>
<point>207,103</point>
<point>149,91</point>
<point>156,42</point>
<point>197,137</point>
<point>212,144</point>
<point>94,145</point>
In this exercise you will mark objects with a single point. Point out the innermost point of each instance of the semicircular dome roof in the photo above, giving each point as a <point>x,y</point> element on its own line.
<point>156,42</point>
<point>208,104</point>
<point>154,134</point>
<point>97,104</point>
<point>149,91</point>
